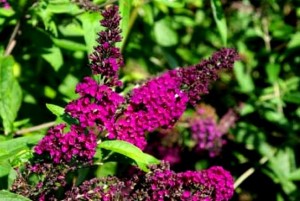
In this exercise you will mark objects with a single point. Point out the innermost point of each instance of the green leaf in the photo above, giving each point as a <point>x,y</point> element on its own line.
<point>108,168</point>
<point>53,56</point>
<point>273,70</point>
<point>5,168</point>
<point>127,149</point>
<point>292,97</point>
<point>8,196</point>
<point>164,34</point>
<point>295,175</point>
<point>295,41</point>
<point>171,3</point>
<point>10,94</point>
<point>274,116</point>
<point>11,178</point>
<point>62,6</point>
<point>219,18</point>
<point>69,45</point>
<point>244,78</point>
<point>125,7</point>
<point>71,30</point>
<point>281,165</point>
<point>47,17</point>
<point>148,14</point>
<point>55,109</point>
<point>14,146</point>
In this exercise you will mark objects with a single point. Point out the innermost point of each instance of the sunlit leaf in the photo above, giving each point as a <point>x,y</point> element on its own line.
<point>10,94</point>
<point>16,145</point>
<point>220,20</point>
<point>8,196</point>
<point>125,8</point>
<point>244,79</point>
<point>164,34</point>
<point>53,56</point>
<point>69,45</point>
<point>55,109</point>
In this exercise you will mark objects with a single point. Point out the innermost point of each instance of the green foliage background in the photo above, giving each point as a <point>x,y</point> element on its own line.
<point>44,48</point>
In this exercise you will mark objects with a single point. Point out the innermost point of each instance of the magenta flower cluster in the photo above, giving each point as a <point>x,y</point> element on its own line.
<point>207,136</point>
<point>215,182</point>
<point>96,106</point>
<point>75,144</point>
<point>207,133</point>
<point>160,184</point>
<point>157,103</point>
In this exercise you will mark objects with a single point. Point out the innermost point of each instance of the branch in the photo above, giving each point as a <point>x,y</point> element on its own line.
<point>248,173</point>
<point>12,41</point>
<point>35,128</point>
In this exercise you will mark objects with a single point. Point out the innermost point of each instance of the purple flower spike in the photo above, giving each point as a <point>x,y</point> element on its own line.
<point>196,79</point>
<point>106,58</point>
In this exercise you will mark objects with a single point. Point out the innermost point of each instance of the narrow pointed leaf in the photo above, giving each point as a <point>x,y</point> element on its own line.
<point>220,20</point>
<point>125,148</point>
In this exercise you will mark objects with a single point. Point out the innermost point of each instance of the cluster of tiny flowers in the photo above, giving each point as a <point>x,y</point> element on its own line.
<point>4,4</point>
<point>196,79</point>
<point>105,189</point>
<point>215,182</point>
<point>207,136</point>
<point>87,5</point>
<point>52,177</point>
<point>207,132</point>
<point>157,103</point>
<point>107,59</point>
<point>96,106</point>
<point>160,184</point>
<point>64,147</point>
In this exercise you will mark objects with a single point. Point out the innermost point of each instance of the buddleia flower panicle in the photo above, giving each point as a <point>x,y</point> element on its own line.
<point>161,101</point>
<point>158,103</point>
<point>107,58</point>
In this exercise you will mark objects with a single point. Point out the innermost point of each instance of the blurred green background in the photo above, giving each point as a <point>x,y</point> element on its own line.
<point>44,46</point>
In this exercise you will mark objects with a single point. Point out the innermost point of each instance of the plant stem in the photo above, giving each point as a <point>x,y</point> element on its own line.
<point>35,128</point>
<point>12,40</point>
<point>248,173</point>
